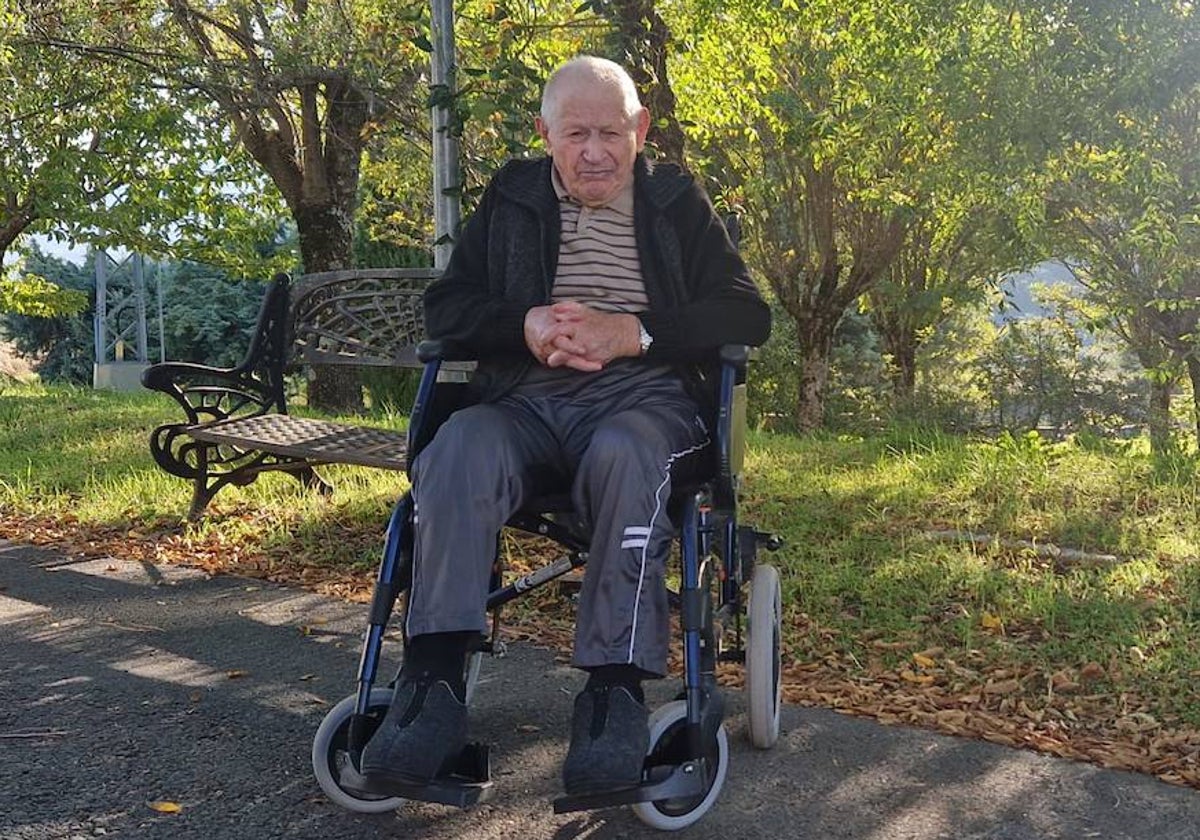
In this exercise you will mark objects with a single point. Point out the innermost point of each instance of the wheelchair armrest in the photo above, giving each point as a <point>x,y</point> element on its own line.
<point>439,350</point>
<point>731,420</point>
<point>737,355</point>
<point>430,350</point>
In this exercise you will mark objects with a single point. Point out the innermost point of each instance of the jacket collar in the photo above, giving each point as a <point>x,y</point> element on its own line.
<point>528,182</point>
<point>622,202</point>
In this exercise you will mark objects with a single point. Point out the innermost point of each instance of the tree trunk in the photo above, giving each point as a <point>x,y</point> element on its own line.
<point>1159,416</point>
<point>327,244</point>
<point>814,342</point>
<point>1193,367</point>
<point>904,358</point>
<point>899,342</point>
<point>326,234</point>
<point>16,215</point>
<point>642,41</point>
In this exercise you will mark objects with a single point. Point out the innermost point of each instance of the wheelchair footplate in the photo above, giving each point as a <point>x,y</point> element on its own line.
<point>682,781</point>
<point>468,783</point>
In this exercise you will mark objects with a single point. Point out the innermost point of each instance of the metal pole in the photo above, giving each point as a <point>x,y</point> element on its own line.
<point>100,339</point>
<point>446,207</point>
<point>162,336</point>
<point>139,301</point>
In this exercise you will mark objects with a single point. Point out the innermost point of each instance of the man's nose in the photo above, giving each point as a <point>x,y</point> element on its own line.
<point>593,148</point>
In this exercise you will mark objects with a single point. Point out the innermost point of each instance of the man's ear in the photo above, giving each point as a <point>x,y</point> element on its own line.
<point>643,127</point>
<point>543,131</point>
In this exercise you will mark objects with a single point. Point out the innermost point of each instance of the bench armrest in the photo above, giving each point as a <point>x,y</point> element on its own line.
<point>211,393</point>
<point>253,387</point>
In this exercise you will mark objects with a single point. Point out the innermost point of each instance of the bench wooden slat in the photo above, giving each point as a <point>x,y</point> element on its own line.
<point>318,441</point>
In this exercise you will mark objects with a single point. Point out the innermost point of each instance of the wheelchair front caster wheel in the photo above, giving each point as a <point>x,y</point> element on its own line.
<point>668,741</point>
<point>764,688</point>
<point>330,753</point>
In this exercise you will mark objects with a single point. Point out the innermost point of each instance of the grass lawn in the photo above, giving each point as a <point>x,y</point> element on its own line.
<point>920,576</point>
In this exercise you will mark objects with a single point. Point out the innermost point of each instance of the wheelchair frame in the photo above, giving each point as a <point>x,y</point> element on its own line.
<point>707,522</point>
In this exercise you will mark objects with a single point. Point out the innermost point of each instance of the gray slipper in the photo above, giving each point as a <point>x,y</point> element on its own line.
<point>610,733</point>
<point>423,732</point>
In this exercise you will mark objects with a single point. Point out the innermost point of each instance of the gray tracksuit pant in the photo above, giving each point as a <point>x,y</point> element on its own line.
<point>613,437</point>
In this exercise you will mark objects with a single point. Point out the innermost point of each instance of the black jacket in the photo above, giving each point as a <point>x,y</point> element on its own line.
<point>700,292</point>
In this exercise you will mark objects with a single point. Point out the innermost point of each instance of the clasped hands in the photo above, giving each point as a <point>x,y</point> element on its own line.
<point>572,334</point>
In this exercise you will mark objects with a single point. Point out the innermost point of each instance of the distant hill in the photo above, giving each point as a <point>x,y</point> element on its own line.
<point>1018,294</point>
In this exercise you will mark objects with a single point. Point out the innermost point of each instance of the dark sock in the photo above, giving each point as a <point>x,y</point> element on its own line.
<point>440,656</point>
<point>624,676</point>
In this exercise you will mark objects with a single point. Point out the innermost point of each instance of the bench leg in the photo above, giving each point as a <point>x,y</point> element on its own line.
<point>205,484</point>
<point>201,495</point>
<point>311,481</point>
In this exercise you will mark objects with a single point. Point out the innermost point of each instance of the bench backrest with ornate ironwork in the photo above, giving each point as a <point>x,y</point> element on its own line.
<point>358,317</point>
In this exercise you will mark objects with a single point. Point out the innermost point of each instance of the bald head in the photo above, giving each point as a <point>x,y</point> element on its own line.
<point>591,75</point>
<point>593,127</point>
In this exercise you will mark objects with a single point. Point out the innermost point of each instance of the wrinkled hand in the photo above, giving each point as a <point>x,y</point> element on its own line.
<point>573,335</point>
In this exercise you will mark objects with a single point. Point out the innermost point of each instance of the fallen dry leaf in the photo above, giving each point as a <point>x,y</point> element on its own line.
<point>165,807</point>
<point>1002,687</point>
<point>990,622</point>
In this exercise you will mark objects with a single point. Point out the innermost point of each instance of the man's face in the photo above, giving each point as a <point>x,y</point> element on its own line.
<point>593,142</point>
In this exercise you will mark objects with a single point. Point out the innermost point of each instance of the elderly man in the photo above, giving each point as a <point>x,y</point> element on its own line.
<point>589,284</point>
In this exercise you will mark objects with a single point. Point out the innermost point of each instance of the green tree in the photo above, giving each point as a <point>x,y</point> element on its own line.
<point>302,85</point>
<point>59,342</point>
<point>1123,199</point>
<point>98,153</point>
<point>832,125</point>
<point>950,257</point>
<point>207,317</point>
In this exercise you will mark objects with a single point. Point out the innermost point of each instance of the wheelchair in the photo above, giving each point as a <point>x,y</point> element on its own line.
<point>729,606</point>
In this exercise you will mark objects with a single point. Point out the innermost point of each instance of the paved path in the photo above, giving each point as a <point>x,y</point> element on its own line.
<point>156,683</point>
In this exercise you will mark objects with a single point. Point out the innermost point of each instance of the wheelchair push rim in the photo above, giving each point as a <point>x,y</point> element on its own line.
<point>764,687</point>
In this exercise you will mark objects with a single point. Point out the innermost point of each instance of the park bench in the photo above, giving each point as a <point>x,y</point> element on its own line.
<point>237,422</point>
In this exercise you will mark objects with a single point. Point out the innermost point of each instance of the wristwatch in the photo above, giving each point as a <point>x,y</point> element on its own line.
<point>644,338</point>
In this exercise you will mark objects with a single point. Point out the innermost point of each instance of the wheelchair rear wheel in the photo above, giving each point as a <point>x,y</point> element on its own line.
<point>763,683</point>
<point>331,752</point>
<point>668,740</point>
